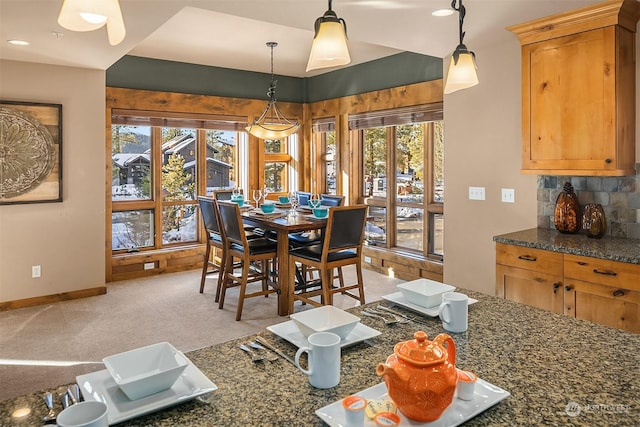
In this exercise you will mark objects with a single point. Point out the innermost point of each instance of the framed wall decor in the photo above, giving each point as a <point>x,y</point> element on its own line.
<point>30,152</point>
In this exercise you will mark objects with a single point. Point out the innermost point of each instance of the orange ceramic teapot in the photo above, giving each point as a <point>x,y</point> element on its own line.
<point>421,376</point>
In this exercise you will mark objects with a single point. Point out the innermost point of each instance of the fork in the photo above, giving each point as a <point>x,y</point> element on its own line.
<point>255,357</point>
<point>386,321</point>
<point>398,319</point>
<point>257,346</point>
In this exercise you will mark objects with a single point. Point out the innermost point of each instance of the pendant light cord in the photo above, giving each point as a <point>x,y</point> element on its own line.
<point>462,11</point>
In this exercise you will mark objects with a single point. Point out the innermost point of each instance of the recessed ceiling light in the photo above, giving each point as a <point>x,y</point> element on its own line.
<point>19,42</point>
<point>442,12</point>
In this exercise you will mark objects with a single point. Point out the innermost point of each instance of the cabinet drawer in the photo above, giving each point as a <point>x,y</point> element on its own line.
<point>529,258</point>
<point>611,273</point>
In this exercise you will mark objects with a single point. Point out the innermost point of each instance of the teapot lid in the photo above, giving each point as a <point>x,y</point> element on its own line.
<point>420,351</point>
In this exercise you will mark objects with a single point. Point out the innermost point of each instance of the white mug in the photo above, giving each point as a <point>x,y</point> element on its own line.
<point>84,414</point>
<point>454,311</point>
<point>324,359</point>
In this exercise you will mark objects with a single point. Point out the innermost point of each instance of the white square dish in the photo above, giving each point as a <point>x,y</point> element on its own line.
<point>424,292</point>
<point>325,319</point>
<point>146,370</point>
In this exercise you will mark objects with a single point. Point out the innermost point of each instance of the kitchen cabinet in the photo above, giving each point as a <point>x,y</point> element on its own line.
<point>605,292</point>
<point>530,276</point>
<point>578,91</point>
<point>602,291</point>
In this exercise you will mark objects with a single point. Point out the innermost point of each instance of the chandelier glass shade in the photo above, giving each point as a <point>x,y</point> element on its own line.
<point>462,72</point>
<point>329,48</point>
<point>272,124</point>
<point>89,15</point>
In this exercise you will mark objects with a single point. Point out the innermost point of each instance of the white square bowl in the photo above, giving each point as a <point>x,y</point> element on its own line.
<point>424,292</point>
<point>325,319</point>
<point>146,370</point>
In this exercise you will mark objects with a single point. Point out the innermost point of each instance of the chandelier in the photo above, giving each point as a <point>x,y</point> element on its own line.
<point>272,124</point>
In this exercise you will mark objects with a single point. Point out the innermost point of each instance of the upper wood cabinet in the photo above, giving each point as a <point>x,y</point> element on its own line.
<point>578,91</point>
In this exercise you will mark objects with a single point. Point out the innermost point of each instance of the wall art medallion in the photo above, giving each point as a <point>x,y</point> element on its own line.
<point>30,152</point>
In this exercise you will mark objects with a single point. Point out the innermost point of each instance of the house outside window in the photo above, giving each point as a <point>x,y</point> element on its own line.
<point>157,174</point>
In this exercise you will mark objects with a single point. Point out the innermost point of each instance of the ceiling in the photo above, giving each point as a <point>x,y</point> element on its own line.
<point>233,33</point>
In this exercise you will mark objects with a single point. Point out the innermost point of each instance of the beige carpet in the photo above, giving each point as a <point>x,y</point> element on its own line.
<point>45,346</point>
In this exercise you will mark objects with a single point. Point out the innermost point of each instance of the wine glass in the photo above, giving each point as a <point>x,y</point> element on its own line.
<point>314,201</point>
<point>293,199</point>
<point>265,193</point>
<point>257,195</point>
<point>235,193</point>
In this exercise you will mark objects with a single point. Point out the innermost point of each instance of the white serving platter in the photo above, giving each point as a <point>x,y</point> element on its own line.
<point>485,396</point>
<point>290,332</point>
<point>100,386</point>
<point>398,298</point>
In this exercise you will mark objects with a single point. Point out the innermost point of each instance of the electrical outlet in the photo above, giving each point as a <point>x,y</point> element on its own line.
<point>367,259</point>
<point>476,193</point>
<point>149,265</point>
<point>508,195</point>
<point>35,271</point>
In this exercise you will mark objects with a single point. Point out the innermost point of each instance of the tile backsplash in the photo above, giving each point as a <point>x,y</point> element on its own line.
<point>619,196</point>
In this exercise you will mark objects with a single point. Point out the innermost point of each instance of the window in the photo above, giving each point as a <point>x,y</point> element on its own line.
<point>277,164</point>
<point>402,177</point>
<point>326,151</point>
<point>159,167</point>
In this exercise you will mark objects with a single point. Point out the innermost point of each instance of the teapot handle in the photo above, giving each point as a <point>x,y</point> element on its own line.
<point>451,347</point>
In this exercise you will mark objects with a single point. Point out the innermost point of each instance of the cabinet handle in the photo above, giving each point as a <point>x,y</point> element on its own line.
<point>619,293</point>
<point>528,258</point>
<point>556,286</point>
<point>568,288</point>
<point>608,161</point>
<point>582,263</point>
<point>605,272</point>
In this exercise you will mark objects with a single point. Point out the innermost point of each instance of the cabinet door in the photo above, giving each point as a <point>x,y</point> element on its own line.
<point>569,119</point>
<point>606,305</point>
<point>530,287</point>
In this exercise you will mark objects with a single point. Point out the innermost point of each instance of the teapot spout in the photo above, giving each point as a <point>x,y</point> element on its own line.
<point>384,369</point>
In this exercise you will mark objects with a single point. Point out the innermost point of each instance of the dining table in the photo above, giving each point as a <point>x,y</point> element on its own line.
<point>555,370</point>
<point>283,221</point>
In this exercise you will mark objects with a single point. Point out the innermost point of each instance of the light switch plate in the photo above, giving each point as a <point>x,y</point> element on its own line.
<point>476,193</point>
<point>508,195</point>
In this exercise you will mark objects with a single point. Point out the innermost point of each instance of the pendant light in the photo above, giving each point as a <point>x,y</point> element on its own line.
<point>329,48</point>
<point>89,15</point>
<point>462,68</point>
<point>272,124</point>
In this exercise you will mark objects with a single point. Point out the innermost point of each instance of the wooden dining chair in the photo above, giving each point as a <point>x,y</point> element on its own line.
<point>341,246</point>
<point>210,219</point>
<point>248,251</point>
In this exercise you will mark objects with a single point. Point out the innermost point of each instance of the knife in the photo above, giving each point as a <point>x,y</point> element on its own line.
<point>275,350</point>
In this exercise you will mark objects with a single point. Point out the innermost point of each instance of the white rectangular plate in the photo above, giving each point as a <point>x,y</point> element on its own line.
<point>398,298</point>
<point>290,332</point>
<point>485,396</point>
<point>100,386</point>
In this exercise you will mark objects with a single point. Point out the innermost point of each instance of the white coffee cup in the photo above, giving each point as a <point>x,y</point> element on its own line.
<point>324,359</point>
<point>84,414</point>
<point>454,311</point>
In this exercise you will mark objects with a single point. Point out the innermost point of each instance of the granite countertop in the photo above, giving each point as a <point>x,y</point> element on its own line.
<point>545,360</point>
<point>607,247</point>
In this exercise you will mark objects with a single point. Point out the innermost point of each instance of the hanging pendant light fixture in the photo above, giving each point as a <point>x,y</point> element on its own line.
<point>329,48</point>
<point>89,15</point>
<point>272,124</point>
<point>462,68</point>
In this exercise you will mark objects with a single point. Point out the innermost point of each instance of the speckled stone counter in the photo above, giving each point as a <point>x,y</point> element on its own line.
<point>547,361</point>
<point>608,247</point>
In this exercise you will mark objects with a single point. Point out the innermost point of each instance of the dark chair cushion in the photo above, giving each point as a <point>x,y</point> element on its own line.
<point>304,239</point>
<point>314,253</point>
<point>257,246</point>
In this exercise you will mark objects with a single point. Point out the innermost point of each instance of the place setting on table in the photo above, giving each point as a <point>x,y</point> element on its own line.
<point>323,333</point>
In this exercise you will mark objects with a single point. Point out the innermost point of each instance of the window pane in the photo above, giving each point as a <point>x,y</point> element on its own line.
<point>436,240</point>
<point>410,163</point>
<point>438,162</point>
<point>179,224</point>
<point>375,158</point>
<point>375,229</point>
<point>409,228</point>
<point>273,146</point>
<point>131,167</point>
<point>275,178</point>
<point>178,164</point>
<point>221,159</point>
<point>330,165</point>
<point>132,229</point>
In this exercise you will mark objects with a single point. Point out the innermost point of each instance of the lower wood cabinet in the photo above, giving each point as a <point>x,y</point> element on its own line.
<point>602,291</point>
